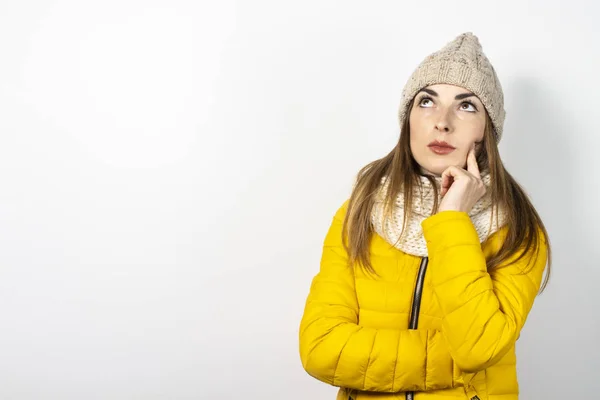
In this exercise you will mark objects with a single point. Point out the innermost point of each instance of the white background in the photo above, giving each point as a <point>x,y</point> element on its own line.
<point>169,169</point>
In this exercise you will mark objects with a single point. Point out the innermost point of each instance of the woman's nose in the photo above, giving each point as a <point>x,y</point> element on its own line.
<point>443,124</point>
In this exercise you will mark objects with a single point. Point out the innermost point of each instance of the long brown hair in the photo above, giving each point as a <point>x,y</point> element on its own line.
<point>402,171</point>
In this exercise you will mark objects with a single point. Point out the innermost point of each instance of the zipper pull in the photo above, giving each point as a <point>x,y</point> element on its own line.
<point>471,393</point>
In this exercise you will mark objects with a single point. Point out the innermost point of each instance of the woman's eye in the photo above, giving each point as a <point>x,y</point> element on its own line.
<point>472,109</point>
<point>423,100</point>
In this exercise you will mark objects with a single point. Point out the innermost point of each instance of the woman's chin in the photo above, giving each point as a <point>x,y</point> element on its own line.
<point>435,170</point>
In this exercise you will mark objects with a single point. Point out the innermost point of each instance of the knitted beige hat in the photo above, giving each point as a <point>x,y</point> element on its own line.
<point>461,63</point>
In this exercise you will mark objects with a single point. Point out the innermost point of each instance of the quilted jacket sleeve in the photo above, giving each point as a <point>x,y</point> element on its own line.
<point>483,312</point>
<point>338,351</point>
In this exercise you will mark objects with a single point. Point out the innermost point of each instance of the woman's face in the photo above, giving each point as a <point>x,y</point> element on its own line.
<point>445,113</point>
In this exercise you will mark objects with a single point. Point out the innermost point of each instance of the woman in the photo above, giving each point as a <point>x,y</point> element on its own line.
<point>428,304</point>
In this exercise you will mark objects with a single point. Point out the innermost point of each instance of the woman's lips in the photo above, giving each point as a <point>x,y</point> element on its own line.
<point>441,150</point>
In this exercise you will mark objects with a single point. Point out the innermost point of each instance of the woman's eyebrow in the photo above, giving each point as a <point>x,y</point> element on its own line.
<point>463,96</point>
<point>458,96</point>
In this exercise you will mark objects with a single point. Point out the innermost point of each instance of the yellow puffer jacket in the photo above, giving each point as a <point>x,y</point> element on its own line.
<point>355,334</point>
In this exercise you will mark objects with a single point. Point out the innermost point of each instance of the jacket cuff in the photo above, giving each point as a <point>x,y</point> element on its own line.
<point>448,229</point>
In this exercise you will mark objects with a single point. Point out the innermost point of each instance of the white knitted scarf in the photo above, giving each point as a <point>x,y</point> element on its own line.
<point>412,240</point>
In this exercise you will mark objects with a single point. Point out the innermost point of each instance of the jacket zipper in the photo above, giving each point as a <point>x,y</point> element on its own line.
<point>416,305</point>
<point>414,313</point>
